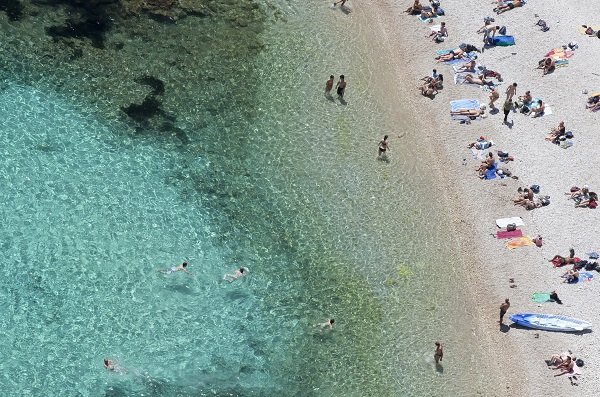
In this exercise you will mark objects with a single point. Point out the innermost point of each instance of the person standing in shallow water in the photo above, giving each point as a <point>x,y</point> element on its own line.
<point>341,87</point>
<point>329,85</point>
<point>503,309</point>
<point>384,146</point>
<point>439,352</point>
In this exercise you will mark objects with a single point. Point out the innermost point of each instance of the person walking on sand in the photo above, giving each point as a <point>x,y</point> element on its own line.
<point>494,95</point>
<point>341,86</point>
<point>384,146</point>
<point>503,309</point>
<point>238,273</point>
<point>329,85</point>
<point>439,352</point>
<point>511,91</point>
<point>507,108</point>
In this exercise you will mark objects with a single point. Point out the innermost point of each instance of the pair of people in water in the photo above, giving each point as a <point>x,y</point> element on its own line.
<point>340,86</point>
<point>230,277</point>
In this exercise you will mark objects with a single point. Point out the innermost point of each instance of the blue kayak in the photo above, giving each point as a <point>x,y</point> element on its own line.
<point>550,322</point>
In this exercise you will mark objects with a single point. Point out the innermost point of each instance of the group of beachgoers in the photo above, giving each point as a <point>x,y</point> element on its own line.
<point>528,197</point>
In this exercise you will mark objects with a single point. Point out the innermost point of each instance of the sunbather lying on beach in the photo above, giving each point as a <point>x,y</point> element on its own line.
<point>415,8</point>
<point>467,67</point>
<point>557,359</point>
<point>561,260</point>
<point>530,204</point>
<point>590,31</point>
<point>591,202</point>
<point>578,193</point>
<point>593,103</point>
<point>466,112</point>
<point>539,110</point>
<point>481,144</point>
<point>508,6</point>
<point>548,64</point>
<point>479,80</point>
<point>454,54</point>
<point>571,276</point>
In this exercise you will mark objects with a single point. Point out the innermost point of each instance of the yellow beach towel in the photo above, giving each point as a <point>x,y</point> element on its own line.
<point>519,242</point>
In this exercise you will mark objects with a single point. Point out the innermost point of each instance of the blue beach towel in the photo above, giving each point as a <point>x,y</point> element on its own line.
<point>464,104</point>
<point>504,41</point>
<point>444,52</point>
<point>491,173</point>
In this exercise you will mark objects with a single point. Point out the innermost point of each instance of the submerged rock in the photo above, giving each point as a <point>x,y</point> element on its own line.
<point>92,28</point>
<point>13,9</point>
<point>149,108</point>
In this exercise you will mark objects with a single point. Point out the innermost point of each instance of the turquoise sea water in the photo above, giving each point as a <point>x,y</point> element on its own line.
<point>246,163</point>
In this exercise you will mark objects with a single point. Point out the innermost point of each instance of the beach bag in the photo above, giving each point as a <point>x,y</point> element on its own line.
<point>579,362</point>
<point>569,135</point>
<point>535,188</point>
<point>546,202</point>
<point>488,19</point>
<point>439,39</point>
<point>502,30</point>
<point>592,204</point>
<point>440,11</point>
<point>511,227</point>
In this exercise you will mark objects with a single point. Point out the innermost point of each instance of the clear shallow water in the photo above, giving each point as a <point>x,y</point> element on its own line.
<point>272,175</point>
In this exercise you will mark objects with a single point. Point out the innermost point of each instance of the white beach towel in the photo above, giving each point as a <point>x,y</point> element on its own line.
<point>503,222</point>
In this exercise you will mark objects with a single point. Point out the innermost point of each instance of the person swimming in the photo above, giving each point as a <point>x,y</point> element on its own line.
<point>238,273</point>
<point>113,367</point>
<point>326,325</point>
<point>174,269</point>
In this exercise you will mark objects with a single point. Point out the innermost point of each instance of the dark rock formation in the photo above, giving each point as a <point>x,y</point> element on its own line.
<point>13,9</point>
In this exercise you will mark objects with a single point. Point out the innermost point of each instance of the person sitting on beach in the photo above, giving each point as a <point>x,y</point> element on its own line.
<point>508,6</point>
<point>525,99</point>
<point>466,112</point>
<point>525,194</point>
<point>432,12</point>
<point>554,297</point>
<point>559,261</point>
<point>429,89</point>
<point>571,276</point>
<point>438,35</point>
<point>548,64</point>
<point>539,110</point>
<point>238,273</point>
<point>415,8</point>
<point>556,132</point>
<point>486,164</point>
<point>454,54</point>
<point>566,366</point>
<point>467,67</point>
<point>174,269</point>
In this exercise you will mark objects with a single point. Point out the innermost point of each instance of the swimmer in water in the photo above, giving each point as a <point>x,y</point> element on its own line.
<point>113,367</point>
<point>174,269</point>
<point>238,273</point>
<point>327,324</point>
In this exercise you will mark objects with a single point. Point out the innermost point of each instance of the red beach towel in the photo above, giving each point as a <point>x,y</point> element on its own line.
<point>507,234</point>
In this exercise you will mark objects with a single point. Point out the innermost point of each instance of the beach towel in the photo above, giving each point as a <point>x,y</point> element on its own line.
<point>560,53</point>
<point>427,19</point>
<point>519,242</point>
<point>490,173</point>
<point>509,234</point>
<point>503,222</point>
<point>583,277</point>
<point>478,68</point>
<point>503,41</point>
<point>464,104</point>
<point>444,52</point>
<point>540,297</point>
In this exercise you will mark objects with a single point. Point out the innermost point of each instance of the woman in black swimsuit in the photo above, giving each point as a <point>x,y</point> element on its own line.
<point>383,145</point>
<point>341,86</point>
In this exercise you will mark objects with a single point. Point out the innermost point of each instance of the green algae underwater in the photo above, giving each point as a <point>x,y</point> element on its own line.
<point>199,131</point>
